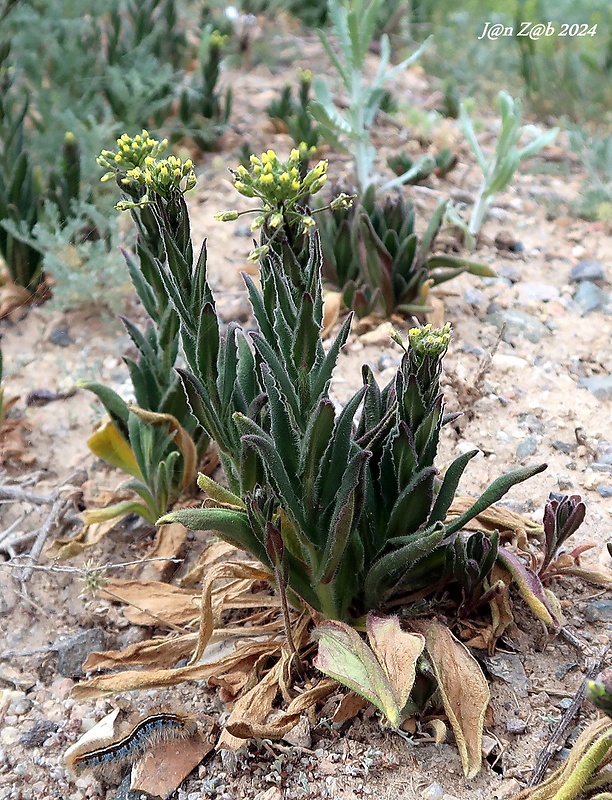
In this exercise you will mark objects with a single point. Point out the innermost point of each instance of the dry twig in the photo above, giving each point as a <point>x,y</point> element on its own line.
<point>560,732</point>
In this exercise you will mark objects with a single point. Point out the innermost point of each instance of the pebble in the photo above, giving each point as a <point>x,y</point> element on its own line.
<point>527,447</point>
<point>236,310</point>
<point>589,297</point>
<point>532,423</point>
<point>599,611</point>
<point>604,452</point>
<point>563,447</point>
<point>61,687</point>
<point>509,668</point>
<point>518,324</point>
<point>564,482</point>
<point>60,336</point>
<point>273,793</point>
<point>509,272</point>
<point>9,735</point>
<point>599,385</point>
<point>587,270</point>
<point>516,726</point>
<point>536,292</point>
<point>300,735</point>
<point>433,792</point>
<point>475,298</point>
<point>604,491</point>
<point>72,653</point>
<point>506,361</point>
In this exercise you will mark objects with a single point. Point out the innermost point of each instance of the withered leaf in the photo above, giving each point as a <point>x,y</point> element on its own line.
<point>464,691</point>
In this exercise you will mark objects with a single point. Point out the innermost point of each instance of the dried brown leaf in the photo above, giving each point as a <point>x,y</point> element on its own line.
<point>253,571</point>
<point>149,679</point>
<point>397,652</point>
<point>211,553</point>
<point>160,772</point>
<point>152,652</point>
<point>511,525</point>
<point>13,296</point>
<point>332,304</point>
<point>88,536</point>
<point>153,602</point>
<point>13,446</point>
<point>169,543</point>
<point>464,691</point>
<point>348,708</point>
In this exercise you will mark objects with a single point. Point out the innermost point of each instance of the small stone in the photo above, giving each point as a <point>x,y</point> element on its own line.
<point>505,240</point>
<point>527,447</point>
<point>9,735</point>
<point>475,298</point>
<point>509,668</point>
<point>61,688</point>
<point>507,362</point>
<point>384,362</point>
<point>599,385</point>
<point>236,310</point>
<point>604,491</point>
<point>273,793</point>
<point>597,467</point>
<point>589,297</point>
<point>21,707</point>
<point>604,452</point>
<point>565,703</point>
<point>539,700</point>
<point>599,611</point>
<point>72,653</point>
<point>60,336</point>
<point>243,230</point>
<point>563,447</point>
<point>327,767</point>
<point>300,735</point>
<point>433,792</point>
<point>564,482</point>
<point>518,324</point>
<point>536,292</point>
<point>532,423</point>
<point>509,272</point>
<point>516,726</point>
<point>587,270</point>
<point>37,735</point>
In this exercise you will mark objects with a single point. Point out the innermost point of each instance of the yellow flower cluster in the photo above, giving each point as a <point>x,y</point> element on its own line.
<point>164,175</point>
<point>217,40</point>
<point>131,154</point>
<point>430,341</point>
<point>276,182</point>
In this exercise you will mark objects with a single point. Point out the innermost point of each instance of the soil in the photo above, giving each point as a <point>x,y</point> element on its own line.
<point>529,399</point>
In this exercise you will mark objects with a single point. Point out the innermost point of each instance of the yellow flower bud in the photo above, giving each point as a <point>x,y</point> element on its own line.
<point>267,179</point>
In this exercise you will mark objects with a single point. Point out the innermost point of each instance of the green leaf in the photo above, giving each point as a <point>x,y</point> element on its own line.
<point>389,568</point>
<point>413,505</point>
<point>115,406</point>
<point>448,489</point>
<point>344,655</point>
<point>232,526</point>
<point>346,512</point>
<point>494,492</point>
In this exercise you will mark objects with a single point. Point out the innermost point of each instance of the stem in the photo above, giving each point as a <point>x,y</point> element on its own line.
<point>479,212</point>
<point>584,769</point>
<point>327,600</point>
